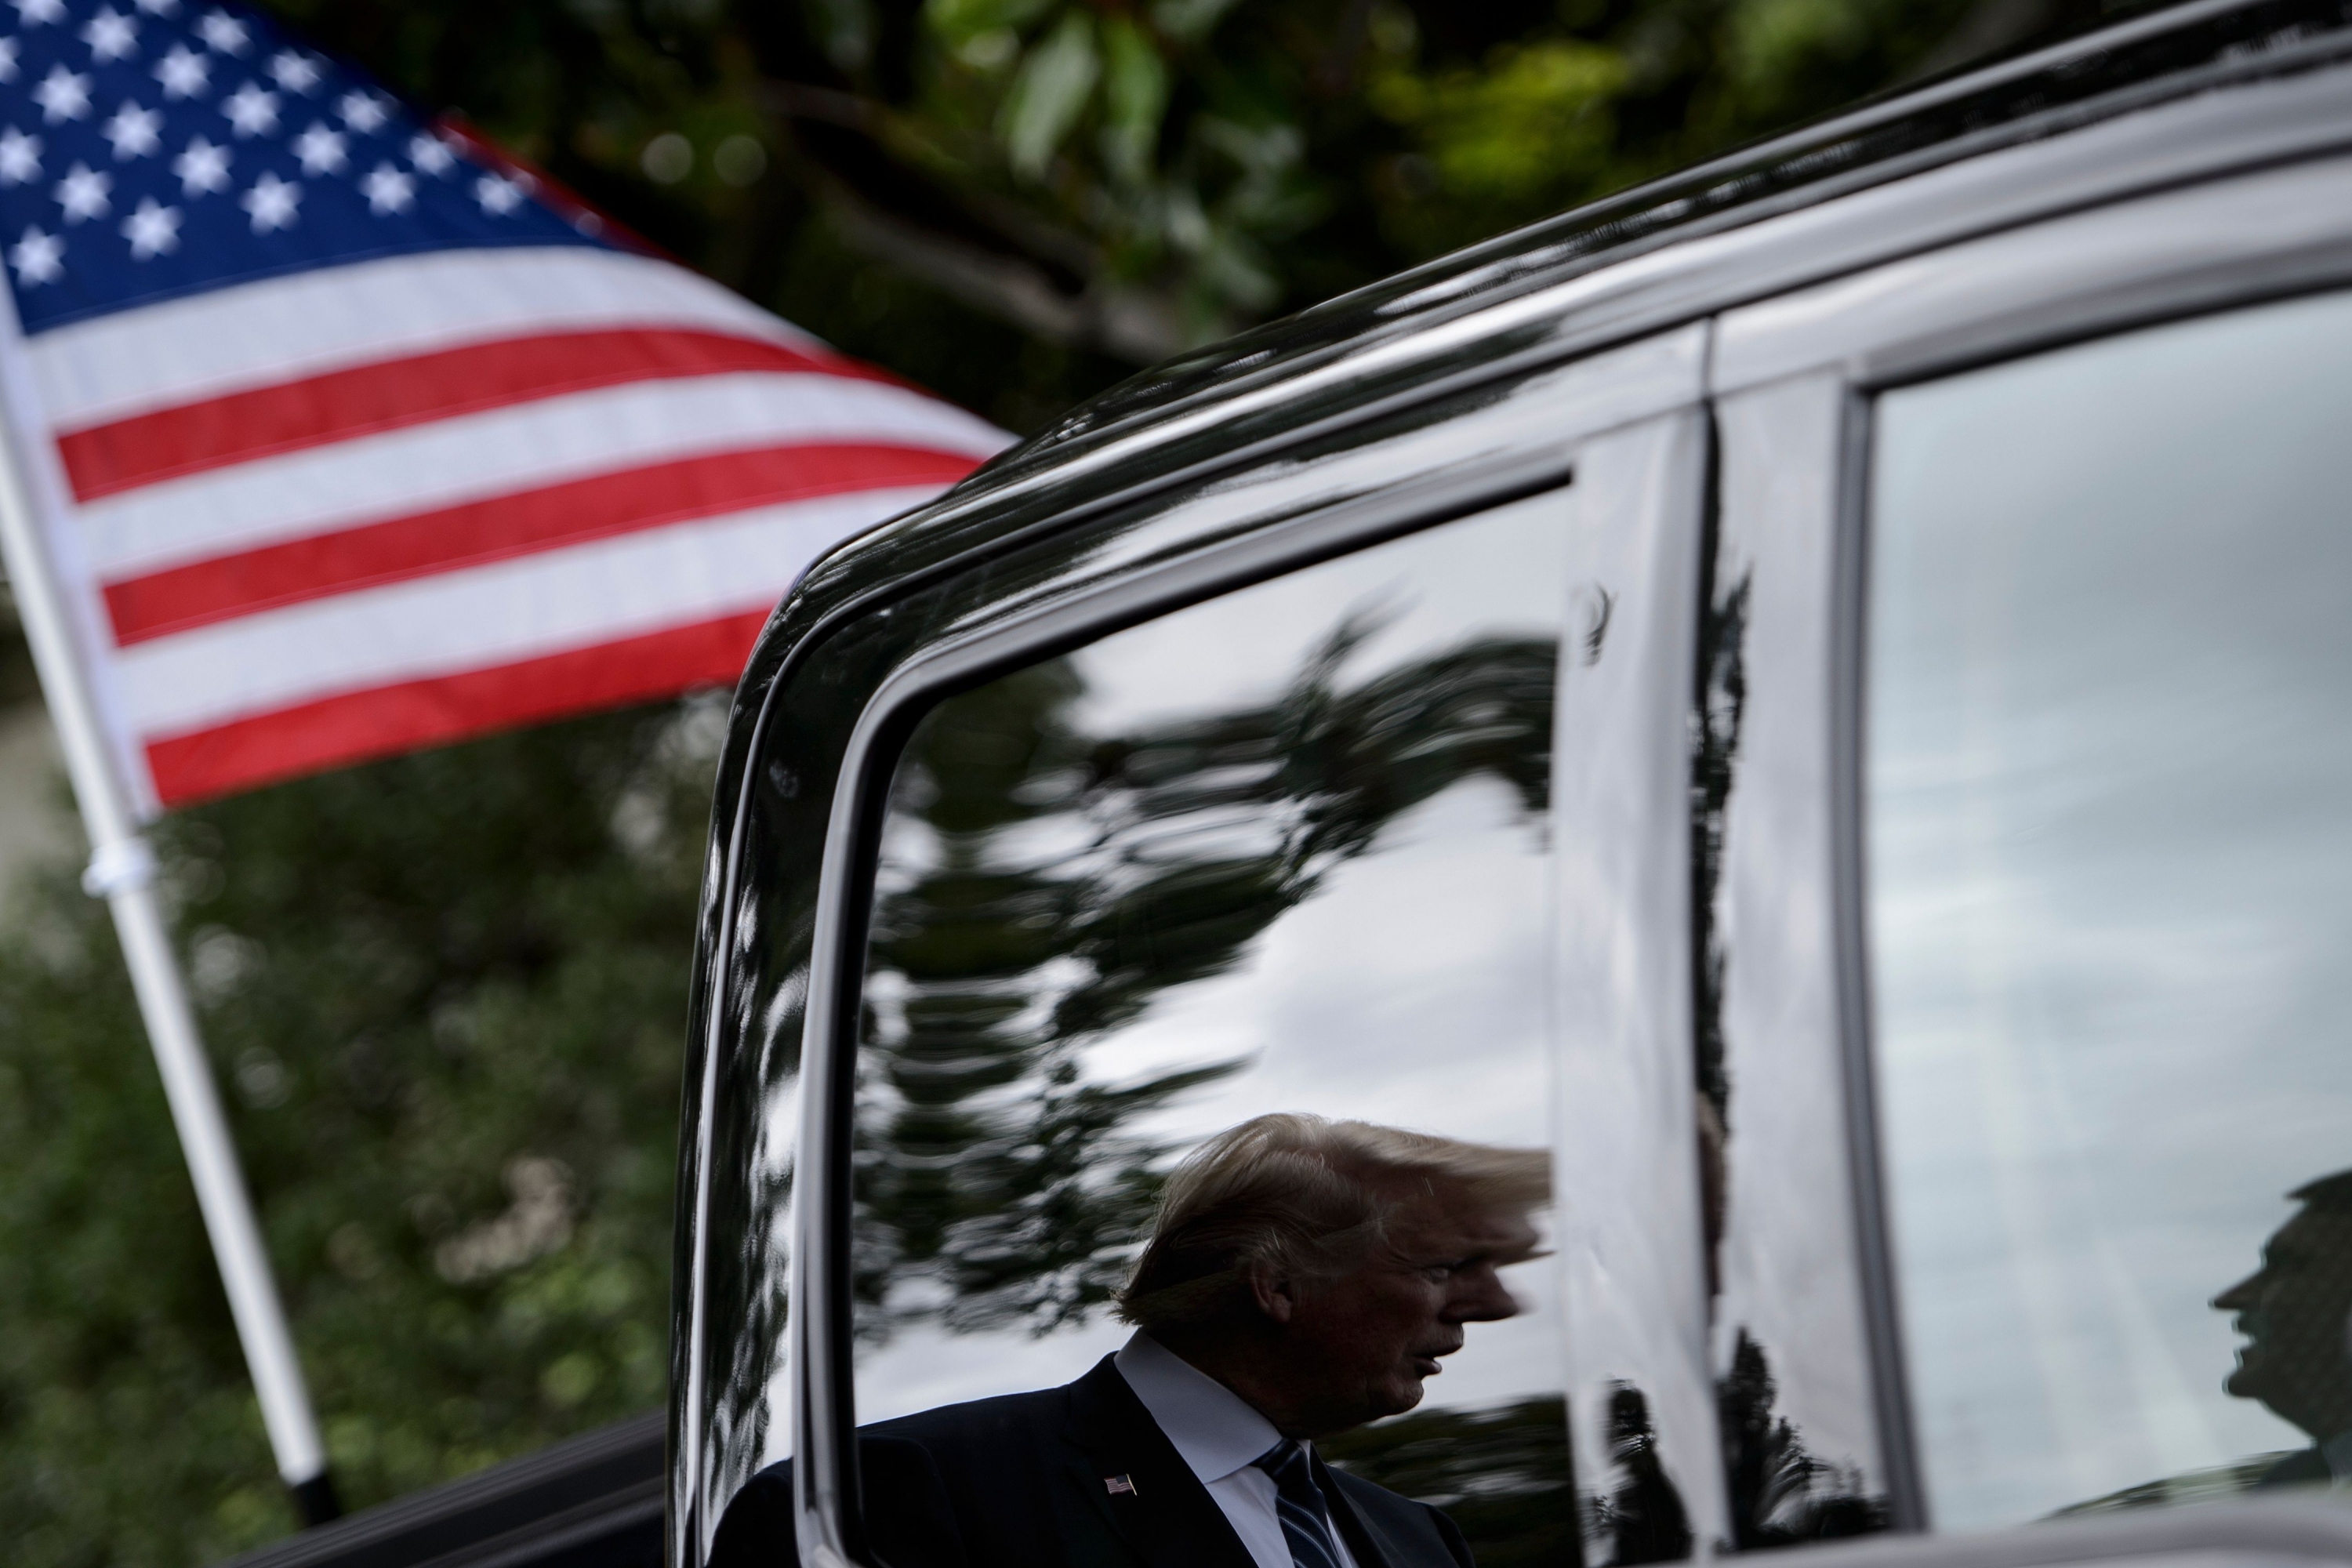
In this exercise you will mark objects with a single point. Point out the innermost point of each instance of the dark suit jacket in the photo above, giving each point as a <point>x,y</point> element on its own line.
<point>1019,1482</point>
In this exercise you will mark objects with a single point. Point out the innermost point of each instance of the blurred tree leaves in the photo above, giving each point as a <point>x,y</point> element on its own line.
<point>1056,189</point>
<point>444,997</point>
<point>1502,1474</point>
<point>1042,886</point>
<point>445,993</point>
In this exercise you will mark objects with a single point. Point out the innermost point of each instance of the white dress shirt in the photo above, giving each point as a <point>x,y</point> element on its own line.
<point>1219,1435</point>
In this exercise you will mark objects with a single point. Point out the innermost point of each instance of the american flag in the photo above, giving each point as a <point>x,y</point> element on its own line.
<point>349,435</point>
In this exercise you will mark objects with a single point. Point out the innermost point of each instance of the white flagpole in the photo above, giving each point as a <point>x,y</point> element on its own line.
<point>122,871</point>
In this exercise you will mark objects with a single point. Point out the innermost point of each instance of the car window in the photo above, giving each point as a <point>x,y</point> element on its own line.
<point>1282,853</point>
<point>2108,774</point>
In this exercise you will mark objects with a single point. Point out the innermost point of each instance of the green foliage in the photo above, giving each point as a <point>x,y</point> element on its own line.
<point>443,997</point>
<point>1501,1474</point>
<point>1538,117</point>
<point>1048,94</point>
<point>1121,181</point>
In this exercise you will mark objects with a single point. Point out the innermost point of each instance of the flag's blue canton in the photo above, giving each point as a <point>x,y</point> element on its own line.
<point>152,148</point>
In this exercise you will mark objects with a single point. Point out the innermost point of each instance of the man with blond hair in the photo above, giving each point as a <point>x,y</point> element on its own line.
<point>1303,1277</point>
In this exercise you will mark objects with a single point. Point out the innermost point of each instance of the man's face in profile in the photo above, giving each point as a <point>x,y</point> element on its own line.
<point>2295,1313</point>
<point>1366,1341</point>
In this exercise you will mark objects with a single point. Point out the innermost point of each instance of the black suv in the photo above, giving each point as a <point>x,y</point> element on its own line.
<point>1816,692</point>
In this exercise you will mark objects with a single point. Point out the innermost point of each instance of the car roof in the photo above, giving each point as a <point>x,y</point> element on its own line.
<point>1669,251</point>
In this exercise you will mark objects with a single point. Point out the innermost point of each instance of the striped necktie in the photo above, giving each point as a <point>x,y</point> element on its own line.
<point>1300,1502</point>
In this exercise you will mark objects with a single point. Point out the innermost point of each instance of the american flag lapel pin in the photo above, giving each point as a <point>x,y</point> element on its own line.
<point>1118,1484</point>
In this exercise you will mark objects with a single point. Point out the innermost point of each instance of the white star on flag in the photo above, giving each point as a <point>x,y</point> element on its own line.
<point>362,112</point>
<point>152,230</point>
<point>63,95</point>
<point>110,35</point>
<point>498,195</point>
<point>274,305</point>
<point>183,72</point>
<point>388,189</point>
<point>294,72</point>
<point>39,258</point>
<point>224,33</point>
<point>272,202</point>
<point>252,110</point>
<point>321,149</point>
<point>430,155</point>
<point>20,157</point>
<point>135,131</point>
<point>201,168</point>
<point>82,193</point>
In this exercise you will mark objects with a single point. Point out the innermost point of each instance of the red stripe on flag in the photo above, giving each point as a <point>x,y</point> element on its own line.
<point>225,587</point>
<point>360,726</point>
<point>165,443</point>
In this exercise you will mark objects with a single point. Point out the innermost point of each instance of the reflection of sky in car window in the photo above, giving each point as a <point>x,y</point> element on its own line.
<point>1431,593</point>
<point>2110,758</point>
<point>1409,990</point>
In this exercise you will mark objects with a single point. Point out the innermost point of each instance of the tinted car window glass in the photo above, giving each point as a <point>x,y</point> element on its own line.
<point>2110,787</point>
<point>1281,851</point>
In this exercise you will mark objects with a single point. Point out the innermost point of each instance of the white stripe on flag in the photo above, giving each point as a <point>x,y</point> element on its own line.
<point>400,473</point>
<point>485,615</point>
<point>283,328</point>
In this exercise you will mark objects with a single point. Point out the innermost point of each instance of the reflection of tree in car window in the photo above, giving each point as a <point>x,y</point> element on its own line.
<point>1054,864</point>
<point>1055,882</point>
<point>1062,882</point>
<point>1501,1474</point>
<point>1643,1518</point>
<point>1779,1493</point>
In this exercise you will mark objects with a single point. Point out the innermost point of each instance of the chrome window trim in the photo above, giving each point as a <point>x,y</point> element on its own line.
<point>1874,1237</point>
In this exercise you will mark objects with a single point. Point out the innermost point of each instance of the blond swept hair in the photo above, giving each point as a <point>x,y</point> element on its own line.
<point>1300,1195</point>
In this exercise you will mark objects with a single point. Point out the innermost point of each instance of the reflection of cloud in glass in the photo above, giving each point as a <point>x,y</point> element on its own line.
<point>1420,967</point>
<point>2109,761</point>
<point>1499,576</point>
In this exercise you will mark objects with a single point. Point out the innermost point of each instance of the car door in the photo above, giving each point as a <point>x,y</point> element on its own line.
<point>1984,971</point>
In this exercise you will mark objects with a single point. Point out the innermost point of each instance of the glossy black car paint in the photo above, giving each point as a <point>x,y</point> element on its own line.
<point>594,1502</point>
<point>2005,146</point>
